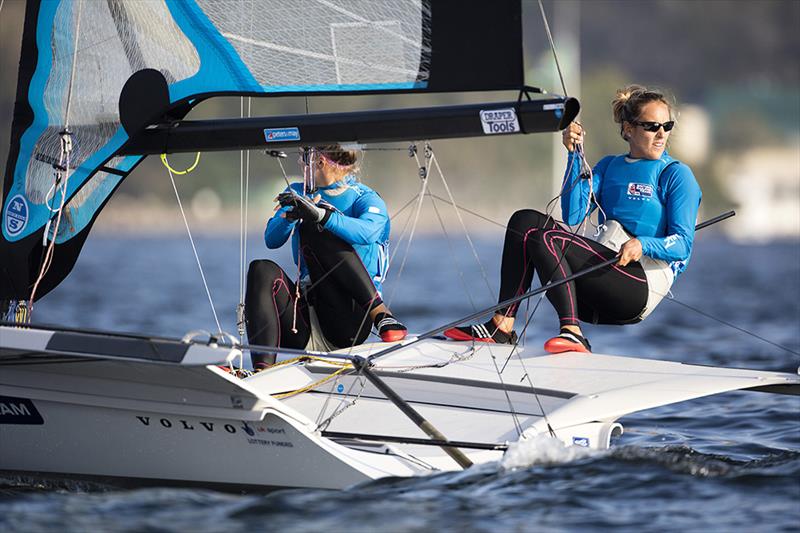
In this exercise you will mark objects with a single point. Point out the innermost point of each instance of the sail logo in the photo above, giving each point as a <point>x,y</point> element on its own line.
<point>272,135</point>
<point>499,121</point>
<point>19,411</point>
<point>640,191</point>
<point>16,215</point>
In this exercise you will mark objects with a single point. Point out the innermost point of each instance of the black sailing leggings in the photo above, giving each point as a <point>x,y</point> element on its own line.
<point>341,292</point>
<point>534,242</point>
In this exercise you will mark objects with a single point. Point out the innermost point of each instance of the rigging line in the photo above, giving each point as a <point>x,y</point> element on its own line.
<point>511,409</point>
<point>339,409</point>
<point>194,249</point>
<point>74,64</point>
<point>552,47</point>
<point>453,255</point>
<point>528,377</point>
<point>434,160</point>
<point>734,326</point>
<point>244,202</point>
<point>405,206</point>
<point>49,251</point>
<point>405,226</point>
<point>240,306</point>
<point>463,225</point>
<point>528,321</point>
<point>423,175</point>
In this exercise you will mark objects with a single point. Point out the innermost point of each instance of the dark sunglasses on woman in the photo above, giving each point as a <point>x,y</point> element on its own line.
<point>654,126</point>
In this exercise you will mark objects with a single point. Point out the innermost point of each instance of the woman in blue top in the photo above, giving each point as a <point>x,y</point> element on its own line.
<point>340,234</point>
<point>648,205</point>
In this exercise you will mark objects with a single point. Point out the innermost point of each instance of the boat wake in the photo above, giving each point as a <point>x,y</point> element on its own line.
<point>543,450</point>
<point>685,460</point>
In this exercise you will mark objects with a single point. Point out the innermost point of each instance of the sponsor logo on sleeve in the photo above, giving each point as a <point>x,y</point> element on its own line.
<point>498,121</point>
<point>16,215</point>
<point>272,135</point>
<point>671,240</point>
<point>19,411</point>
<point>373,209</point>
<point>640,191</point>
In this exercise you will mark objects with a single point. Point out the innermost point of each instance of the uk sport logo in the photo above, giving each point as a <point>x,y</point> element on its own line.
<point>640,191</point>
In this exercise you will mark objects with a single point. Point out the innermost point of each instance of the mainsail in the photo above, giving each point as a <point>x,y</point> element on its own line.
<point>78,55</point>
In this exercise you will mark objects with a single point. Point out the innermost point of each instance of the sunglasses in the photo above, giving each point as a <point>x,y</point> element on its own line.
<point>654,126</point>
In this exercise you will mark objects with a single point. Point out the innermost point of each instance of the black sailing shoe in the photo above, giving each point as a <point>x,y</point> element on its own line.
<point>487,332</point>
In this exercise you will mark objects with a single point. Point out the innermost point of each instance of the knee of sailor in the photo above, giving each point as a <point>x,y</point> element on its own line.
<point>263,271</point>
<point>526,218</point>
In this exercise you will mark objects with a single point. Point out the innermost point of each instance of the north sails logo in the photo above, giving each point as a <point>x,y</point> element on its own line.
<point>16,215</point>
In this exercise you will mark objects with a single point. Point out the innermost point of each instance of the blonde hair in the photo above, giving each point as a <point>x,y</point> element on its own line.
<point>627,104</point>
<point>338,155</point>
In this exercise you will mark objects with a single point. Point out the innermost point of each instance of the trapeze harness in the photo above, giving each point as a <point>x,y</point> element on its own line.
<point>342,263</point>
<point>655,200</point>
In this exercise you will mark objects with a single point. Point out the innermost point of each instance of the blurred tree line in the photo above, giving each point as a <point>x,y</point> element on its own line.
<point>735,58</point>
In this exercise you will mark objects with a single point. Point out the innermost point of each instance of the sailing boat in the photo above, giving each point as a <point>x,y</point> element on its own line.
<point>102,85</point>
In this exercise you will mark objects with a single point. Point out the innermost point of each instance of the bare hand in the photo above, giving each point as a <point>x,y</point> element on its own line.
<point>572,135</point>
<point>630,251</point>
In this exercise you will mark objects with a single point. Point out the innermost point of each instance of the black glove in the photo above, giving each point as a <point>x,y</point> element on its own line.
<point>304,208</point>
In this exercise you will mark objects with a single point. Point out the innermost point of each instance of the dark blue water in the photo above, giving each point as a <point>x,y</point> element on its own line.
<point>730,462</point>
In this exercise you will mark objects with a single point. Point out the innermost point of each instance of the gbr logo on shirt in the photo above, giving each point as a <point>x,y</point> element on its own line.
<point>640,191</point>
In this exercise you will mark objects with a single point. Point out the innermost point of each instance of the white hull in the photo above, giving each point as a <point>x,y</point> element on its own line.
<point>85,405</point>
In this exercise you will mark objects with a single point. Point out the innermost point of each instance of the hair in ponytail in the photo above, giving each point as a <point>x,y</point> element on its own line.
<point>338,155</point>
<point>627,104</point>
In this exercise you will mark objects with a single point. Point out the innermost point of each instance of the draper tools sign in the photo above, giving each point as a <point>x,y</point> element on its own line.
<point>499,121</point>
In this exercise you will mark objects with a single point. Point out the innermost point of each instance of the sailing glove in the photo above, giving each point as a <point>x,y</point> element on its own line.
<point>304,208</point>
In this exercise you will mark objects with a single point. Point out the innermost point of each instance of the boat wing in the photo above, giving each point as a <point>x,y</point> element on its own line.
<point>592,387</point>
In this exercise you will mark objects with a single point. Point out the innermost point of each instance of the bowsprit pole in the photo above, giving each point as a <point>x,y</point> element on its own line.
<point>524,296</point>
<point>362,365</point>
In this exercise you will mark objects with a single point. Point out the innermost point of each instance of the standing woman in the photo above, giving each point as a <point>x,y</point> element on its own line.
<point>648,205</point>
<point>340,234</point>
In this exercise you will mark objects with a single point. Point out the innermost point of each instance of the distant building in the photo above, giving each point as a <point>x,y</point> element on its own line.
<point>765,183</point>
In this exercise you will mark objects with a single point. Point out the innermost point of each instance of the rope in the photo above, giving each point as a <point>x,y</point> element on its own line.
<point>552,47</point>
<point>423,176</point>
<point>65,154</point>
<point>194,248</point>
<point>461,277</point>
<point>74,64</point>
<point>463,225</point>
<point>344,366</point>
<point>165,162</point>
<point>244,201</point>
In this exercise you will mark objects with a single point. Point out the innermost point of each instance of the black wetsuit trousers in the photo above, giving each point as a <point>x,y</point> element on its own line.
<point>341,292</point>
<point>536,243</point>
